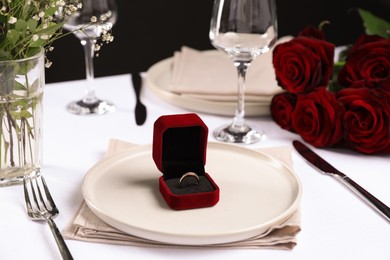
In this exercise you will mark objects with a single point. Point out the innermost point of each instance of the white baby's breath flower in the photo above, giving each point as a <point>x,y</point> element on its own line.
<point>35,38</point>
<point>41,14</point>
<point>48,64</point>
<point>44,37</point>
<point>60,3</point>
<point>107,38</point>
<point>107,26</point>
<point>12,20</point>
<point>36,17</point>
<point>93,19</point>
<point>70,9</point>
<point>103,18</point>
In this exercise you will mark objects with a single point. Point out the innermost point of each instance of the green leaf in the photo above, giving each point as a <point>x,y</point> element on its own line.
<point>33,50</point>
<point>12,36</point>
<point>5,55</point>
<point>3,39</point>
<point>334,85</point>
<point>50,29</point>
<point>21,25</point>
<point>32,25</point>
<point>21,114</point>
<point>35,87</point>
<point>374,25</point>
<point>19,86</point>
<point>3,18</point>
<point>37,43</point>
<point>25,67</point>
<point>50,11</point>
<point>7,76</point>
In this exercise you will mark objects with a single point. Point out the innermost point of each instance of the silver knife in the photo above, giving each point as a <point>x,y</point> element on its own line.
<point>328,169</point>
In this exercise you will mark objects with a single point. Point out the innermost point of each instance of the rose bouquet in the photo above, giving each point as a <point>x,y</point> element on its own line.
<point>329,104</point>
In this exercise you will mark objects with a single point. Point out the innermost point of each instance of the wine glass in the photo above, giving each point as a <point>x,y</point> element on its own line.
<point>243,29</point>
<point>103,14</point>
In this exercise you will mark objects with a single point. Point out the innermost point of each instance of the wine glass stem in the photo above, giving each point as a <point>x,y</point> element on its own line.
<point>239,120</point>
<point>89,52</point>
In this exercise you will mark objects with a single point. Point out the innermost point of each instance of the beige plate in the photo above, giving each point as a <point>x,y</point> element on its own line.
<point>256,192</point>
<point>158,79</point>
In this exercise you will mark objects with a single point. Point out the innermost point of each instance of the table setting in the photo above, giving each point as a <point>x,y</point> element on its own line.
<point>183,164</point>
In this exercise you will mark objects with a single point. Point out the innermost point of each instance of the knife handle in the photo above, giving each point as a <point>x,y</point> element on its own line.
<point>136,79</point>
<point>378,205</point>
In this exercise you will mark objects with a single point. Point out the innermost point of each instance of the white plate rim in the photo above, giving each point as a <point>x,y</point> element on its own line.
<point>192,239</point>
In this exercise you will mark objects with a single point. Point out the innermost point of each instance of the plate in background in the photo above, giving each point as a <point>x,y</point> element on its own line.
<point>158,80</point>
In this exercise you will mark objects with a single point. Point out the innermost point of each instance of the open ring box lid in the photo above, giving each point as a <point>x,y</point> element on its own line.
<point>179,146</point>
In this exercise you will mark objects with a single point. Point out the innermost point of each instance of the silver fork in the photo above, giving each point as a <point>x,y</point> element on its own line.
<point>40,206</point>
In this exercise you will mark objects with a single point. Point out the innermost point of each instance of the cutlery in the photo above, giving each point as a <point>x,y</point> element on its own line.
<point>140,109</point>
<point>328,169</point>
<point>40,206</point>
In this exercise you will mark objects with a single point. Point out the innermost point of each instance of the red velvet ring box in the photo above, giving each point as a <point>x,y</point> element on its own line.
<point>179,146</point>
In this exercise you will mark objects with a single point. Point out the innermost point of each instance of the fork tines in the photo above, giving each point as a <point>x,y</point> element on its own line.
<point>43,204</point>
<point>40,206</point>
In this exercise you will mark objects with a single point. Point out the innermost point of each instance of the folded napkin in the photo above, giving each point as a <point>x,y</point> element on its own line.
<point>212,76</point>
<point>86,226</point>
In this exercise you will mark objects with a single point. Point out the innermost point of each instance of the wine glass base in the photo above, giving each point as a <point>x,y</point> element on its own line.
<point>243,134</point>
<point>100,107</point>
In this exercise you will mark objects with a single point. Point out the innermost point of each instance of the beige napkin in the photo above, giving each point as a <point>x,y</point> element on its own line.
<point>211,75</point>
<point>86,226</point>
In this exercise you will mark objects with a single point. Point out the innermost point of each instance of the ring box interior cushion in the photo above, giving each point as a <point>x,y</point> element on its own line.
<point>179,146</point>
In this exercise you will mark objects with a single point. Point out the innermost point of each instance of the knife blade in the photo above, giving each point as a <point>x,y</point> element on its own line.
<point>140,108</point>
<point>326,168</point>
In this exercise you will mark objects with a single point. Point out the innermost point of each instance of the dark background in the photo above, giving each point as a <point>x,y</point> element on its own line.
<point>149,31</point>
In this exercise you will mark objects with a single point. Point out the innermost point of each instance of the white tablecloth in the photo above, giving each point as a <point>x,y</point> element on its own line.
<point>335,223</point>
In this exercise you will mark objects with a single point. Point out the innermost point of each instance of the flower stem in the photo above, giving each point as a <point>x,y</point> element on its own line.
<point>11,125</point>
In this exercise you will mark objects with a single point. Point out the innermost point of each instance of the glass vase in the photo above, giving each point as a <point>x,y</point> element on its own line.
<point>21,91</point>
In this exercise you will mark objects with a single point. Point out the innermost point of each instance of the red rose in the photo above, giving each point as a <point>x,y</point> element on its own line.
<point>282,106</point>
<point>367,119</point>
<point>317,118</point>
<point>303,64</point>
<point>368,61</point>
<point>314,32</point>
<point>381,85</point>
<point>364,39</point>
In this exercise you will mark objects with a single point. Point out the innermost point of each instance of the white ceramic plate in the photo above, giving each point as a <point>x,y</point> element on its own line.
<point>256,192</point>
<point>158,80</point>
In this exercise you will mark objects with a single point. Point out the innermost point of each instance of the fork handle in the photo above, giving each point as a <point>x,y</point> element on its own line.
<point>65,253</point>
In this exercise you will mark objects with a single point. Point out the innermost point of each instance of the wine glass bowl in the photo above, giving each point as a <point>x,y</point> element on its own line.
<point>84,17</point>
<point>91,22</point>
<point>243,29</point>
